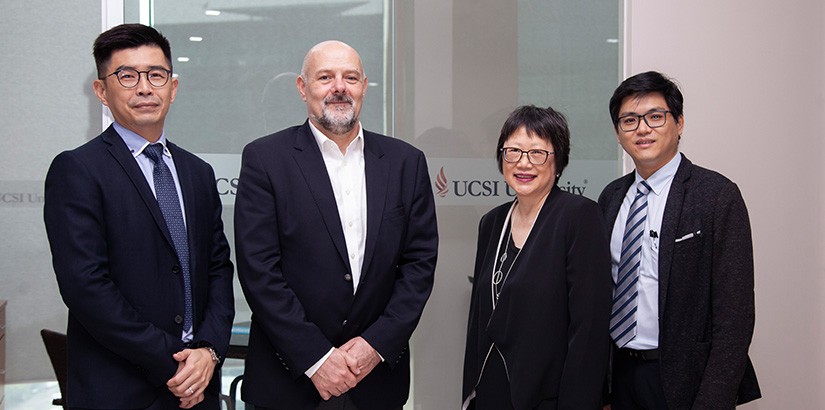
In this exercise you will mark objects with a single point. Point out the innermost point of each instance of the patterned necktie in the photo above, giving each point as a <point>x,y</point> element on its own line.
<point>167,196</point>
<point>625,300</point>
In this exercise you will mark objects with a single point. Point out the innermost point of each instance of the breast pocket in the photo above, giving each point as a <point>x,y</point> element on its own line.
<point>395,215</point>
<point>392,232</point>
<point>690,235</point>
<point>689,252</point>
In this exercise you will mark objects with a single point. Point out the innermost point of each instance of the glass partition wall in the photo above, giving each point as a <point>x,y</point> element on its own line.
<point>461,67</point>
<point>443,75</point>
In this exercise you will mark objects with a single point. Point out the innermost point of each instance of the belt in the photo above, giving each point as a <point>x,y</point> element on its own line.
<point>643,355</point>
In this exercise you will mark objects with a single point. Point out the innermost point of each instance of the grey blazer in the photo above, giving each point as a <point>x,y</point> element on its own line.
<point>706,300</point>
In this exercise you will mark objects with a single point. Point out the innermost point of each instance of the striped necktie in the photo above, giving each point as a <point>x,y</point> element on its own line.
<point>626,291</point>
<point>167,196</point>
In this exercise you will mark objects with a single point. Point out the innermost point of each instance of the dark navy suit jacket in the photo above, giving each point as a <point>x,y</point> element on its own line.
<point>294,267</point>
<point>119,275</point>
<point>706,301</point>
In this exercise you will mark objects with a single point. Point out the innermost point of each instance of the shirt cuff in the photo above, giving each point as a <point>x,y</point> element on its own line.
<point>311,371</point>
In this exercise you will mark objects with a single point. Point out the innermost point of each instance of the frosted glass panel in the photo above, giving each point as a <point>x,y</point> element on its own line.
<point>237,62</point>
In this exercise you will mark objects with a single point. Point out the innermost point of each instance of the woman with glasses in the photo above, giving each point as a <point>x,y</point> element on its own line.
<point>537,336</point>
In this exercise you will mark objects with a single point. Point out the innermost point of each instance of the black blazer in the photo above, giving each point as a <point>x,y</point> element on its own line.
<point>118,271</point>
<point>551,322</point>
<point>706,301</point>
<point>295,273</point>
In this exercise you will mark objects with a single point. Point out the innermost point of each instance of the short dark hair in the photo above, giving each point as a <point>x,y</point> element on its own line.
<point>545,123</point>
<point>127,36</point>
<point>643,84</point>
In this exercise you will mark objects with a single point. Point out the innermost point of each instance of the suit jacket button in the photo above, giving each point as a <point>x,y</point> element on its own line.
<point>178,319</point>
<point>344,323</point>
<point>347,277</point>
<point>176,269</point>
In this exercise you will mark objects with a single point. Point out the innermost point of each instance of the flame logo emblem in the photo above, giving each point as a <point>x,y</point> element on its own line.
<point>441,183</point>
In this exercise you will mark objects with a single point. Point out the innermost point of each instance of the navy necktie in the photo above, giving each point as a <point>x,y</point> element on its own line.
<point>167,196</point>
<point>626,291</point>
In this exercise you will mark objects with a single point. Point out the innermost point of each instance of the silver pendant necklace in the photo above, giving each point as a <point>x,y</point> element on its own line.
<point>497,275</point>
<point>499,278</point>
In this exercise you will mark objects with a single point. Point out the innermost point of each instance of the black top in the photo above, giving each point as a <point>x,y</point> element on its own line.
<point>552,317</point>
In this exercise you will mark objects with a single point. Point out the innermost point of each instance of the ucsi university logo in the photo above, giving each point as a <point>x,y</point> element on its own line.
<point>472,188</point>
<point>447,188</point>
<point>458,182</point>
<point>441,184</point>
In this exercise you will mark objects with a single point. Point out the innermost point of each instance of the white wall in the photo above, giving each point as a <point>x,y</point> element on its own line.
<point>752,76</point>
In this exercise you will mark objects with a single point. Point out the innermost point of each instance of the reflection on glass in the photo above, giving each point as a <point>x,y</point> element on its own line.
<point>443,74</point>
<point>242,58</point>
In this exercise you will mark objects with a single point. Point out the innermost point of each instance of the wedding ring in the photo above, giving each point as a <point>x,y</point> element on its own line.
<point>190,390</point>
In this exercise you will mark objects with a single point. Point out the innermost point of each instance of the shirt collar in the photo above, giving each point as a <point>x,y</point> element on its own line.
<point>322,140</point>
<point>136,143</point>
<point>660,179</point>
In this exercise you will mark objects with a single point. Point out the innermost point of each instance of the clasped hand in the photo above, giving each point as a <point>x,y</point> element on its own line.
<point>345,368</point>
<point>195,369</point>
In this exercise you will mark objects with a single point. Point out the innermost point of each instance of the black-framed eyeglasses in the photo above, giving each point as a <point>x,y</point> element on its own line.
<point>653,119</point>
<point>129,78</point>
<point>535,156</point>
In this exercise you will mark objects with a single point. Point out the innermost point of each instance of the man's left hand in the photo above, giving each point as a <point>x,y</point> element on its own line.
<point>195,369</point>
<point>191,401</point>
<point>366,357</point>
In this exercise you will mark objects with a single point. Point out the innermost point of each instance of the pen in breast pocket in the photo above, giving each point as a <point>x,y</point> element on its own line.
<point>690,235</point>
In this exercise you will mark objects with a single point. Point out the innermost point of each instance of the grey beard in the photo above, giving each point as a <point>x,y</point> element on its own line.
<point>337,127</point>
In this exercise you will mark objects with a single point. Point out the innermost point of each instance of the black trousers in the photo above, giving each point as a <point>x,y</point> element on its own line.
<point>636,384</point>
<point>342,402</point>
<point>167,401</point>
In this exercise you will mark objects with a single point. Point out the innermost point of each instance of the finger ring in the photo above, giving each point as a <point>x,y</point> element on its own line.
<point>190,390</point>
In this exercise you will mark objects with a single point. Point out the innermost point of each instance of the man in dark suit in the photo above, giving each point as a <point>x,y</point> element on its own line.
<point>683,307</point>
<point>336,237</point>
<point>134,224</point>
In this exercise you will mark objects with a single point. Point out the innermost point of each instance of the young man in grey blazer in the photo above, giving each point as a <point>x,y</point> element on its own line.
<point>683,305</point>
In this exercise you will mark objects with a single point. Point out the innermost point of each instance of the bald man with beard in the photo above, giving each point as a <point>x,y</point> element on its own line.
<point>336,245</point>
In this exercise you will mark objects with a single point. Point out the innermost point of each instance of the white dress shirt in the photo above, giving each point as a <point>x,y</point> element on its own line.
<point>348,180</point>
<point>346,174</point>
<point>647,313</point>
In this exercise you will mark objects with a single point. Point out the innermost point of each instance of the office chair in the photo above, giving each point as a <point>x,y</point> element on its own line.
<point>55,343</point>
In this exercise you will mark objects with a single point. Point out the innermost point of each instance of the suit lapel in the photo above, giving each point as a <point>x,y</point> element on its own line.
<point>121,154</point>
<point>377,178</point>
<point>670,222</point>
<point>616,198</point>
<point>308,157</point>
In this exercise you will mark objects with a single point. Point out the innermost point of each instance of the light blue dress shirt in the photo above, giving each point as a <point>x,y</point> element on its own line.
<point>136,145</point>
<point>647,314</point>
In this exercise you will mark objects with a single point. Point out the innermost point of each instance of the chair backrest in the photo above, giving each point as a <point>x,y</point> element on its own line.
<point>55,343</point>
